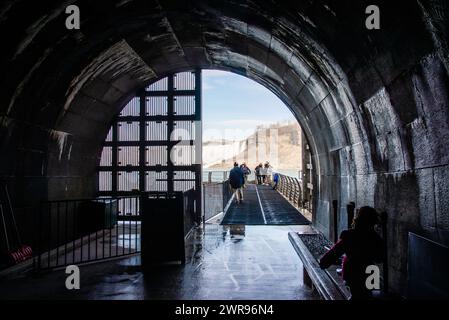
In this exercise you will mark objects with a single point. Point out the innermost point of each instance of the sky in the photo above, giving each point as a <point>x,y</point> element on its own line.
<point>233,106</point>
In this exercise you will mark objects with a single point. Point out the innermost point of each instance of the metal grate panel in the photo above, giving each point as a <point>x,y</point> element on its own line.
<point>128,131</point>
<point>184,81</point>
<point>151,144</point>
<point>156,106</point>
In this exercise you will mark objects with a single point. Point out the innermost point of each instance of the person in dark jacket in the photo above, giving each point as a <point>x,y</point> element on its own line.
<point>258,173</point>
<point>237,180</point>
<point>246,173</point>
<point>362,247</point>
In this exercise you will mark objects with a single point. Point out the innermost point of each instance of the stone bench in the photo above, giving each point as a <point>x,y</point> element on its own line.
<point>314,276</point>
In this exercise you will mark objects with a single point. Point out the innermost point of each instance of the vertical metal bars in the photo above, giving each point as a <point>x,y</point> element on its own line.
<point>155,142</point>
<point>86,230</point>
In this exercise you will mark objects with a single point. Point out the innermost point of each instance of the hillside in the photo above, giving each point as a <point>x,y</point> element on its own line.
<point>280,144</point>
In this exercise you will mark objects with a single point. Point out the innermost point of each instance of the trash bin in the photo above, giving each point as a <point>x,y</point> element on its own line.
<point>162,238</point>
<point>96,215</point>
<point>110,212</point>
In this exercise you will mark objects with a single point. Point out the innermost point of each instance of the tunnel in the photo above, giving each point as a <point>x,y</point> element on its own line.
<point>372,103</point>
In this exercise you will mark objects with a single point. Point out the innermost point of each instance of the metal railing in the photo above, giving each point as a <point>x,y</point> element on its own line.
<point>227,193</point>
<point>216,197</point>
<point>86,230</point>
<point>291,188</point>
<point>215,176</point>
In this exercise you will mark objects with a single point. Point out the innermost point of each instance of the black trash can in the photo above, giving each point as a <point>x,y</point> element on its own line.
<point>96,215</point>
<point>90,217</point>
<point>162,237</point>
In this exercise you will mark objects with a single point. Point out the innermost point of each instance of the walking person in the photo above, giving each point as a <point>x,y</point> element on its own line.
<point>269,172</point>
<point>263,174</point>
<point>236,181</point>
<point>275,180</point>
<point>362,247</point>
<point>246,172</point>
<point>258,175</point>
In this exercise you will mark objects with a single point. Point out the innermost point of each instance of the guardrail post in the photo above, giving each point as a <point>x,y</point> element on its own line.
<point>298,200</point>
<point>290,193</point>
<point>286,186</point>
<point>294,189</point>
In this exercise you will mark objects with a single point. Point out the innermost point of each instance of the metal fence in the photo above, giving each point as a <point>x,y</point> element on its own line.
<point>215,198</point>
<point>291,188</point>
<point>227,194</point>
<point>221,176</point>
<point>88,230</point>
<point>215,176</point>
<point>212,199</point>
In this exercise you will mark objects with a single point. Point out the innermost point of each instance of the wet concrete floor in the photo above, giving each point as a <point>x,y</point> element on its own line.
<point>225,262</point>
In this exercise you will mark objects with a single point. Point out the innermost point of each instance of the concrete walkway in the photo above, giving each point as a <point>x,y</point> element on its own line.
<point>225,262</point>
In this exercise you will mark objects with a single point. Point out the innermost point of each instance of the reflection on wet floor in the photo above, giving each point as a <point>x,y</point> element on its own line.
<point>237,230</point>
<point>225,262</point>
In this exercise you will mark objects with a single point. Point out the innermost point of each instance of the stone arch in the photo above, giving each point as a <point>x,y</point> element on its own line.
<point>373,103</point>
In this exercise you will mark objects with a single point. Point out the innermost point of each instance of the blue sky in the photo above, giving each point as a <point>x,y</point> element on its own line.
<point>233,103</point>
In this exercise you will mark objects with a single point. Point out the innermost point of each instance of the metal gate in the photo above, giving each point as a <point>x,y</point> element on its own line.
<point>154,144</point>
<point>153,149</point>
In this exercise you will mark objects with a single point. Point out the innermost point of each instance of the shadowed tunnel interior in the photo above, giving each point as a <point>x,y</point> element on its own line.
<point>373,104</point>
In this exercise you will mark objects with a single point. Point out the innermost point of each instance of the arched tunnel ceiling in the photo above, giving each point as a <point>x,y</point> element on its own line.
<point>303,52</point>
<point>316,55</point>
<point>374,104</point>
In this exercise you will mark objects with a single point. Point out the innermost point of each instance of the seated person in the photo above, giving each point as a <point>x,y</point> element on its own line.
<point>362,247</point>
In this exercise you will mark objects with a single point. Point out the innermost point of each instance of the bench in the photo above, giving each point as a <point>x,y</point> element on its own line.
<point>314,276</point>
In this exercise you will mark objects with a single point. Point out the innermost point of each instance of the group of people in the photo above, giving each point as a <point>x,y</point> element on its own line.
<point>237,180</point>
<point>238,177</point>
<point>263,173</point>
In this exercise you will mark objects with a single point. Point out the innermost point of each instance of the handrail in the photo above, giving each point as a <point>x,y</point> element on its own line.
<point>220,190</point>
<point>213,174</point>
<point>77,231</point>
<point>290,188</point>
